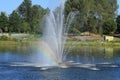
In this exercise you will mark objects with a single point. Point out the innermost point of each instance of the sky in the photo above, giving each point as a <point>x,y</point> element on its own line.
<point>9,5</point>
<point>119,6</point>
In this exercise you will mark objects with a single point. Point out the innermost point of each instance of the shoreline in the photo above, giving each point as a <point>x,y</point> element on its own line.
<point>79,43</point>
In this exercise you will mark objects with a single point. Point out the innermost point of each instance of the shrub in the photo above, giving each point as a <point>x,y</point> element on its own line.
<point>4,37</point>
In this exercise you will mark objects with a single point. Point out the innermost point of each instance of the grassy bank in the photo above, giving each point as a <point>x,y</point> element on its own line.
<point>18,39</point>
<point>94,43</point>
<point>69,43</point>
<point>17,42</point>
<point>32,39</point>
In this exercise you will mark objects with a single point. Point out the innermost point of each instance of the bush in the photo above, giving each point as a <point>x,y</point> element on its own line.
<point>118,36</point>
<point>5,38</point>
<point>109,27</point>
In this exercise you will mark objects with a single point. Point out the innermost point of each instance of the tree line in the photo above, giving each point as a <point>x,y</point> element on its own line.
<point>27,18</point>
<point>96,16</point>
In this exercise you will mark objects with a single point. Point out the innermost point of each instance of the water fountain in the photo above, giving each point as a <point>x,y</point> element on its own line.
<point>55,34</point>
<point>54,38</point>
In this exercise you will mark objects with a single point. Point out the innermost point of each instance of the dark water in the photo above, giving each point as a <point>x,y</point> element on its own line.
<point>13,60</point>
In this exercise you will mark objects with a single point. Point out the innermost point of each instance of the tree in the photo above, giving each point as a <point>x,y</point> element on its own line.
<point>105,9</point>
<point>32,15</point>
<point>109,27</point>
<point>118,23</point>
<point>14,22</point>
<point>25,10</point>
<point>85,12</point>
<point>3,21</point>
<point>37,13</point>
<point>24,28</point>
<point>96,10</point>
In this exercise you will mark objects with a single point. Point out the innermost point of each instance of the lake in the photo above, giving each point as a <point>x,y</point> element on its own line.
<point>93,63</point>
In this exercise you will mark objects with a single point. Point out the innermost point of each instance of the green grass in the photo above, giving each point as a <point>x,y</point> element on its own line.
<point>16,42</point>
<point>94,43</point>
<point>69,43</point>
<point>9,43</point>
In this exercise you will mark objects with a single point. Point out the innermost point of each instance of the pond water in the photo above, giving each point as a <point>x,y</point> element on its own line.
<point>103,64</point>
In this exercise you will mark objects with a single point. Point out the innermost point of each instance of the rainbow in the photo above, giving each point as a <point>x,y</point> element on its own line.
<point>48,54</point>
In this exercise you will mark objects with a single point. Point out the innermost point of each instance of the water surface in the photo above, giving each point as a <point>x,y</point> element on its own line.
<point>15,60</point>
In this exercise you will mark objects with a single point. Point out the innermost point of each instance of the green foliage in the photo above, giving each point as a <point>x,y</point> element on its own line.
<point>3,38</point>
<point>27,18</point>
<point>109,26</point>
<point>31,16</point>
<point>7,38</point>
<point>118,23</point>
<point>36,19</point>
<point>76,31</point>
<point>14,22</point>
<point>3,21</point>
<point>93,17</point>
<point>25,27</point>
<point>25,10</point>
<point>92,13</point>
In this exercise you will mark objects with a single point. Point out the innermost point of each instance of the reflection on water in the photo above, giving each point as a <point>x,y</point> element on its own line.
<point>83,54</point>
<point>14,53</point>
<point>95,54</point>
<point>10,55</point>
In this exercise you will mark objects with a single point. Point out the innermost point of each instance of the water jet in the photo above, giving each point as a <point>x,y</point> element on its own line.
<point>55,35</point>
